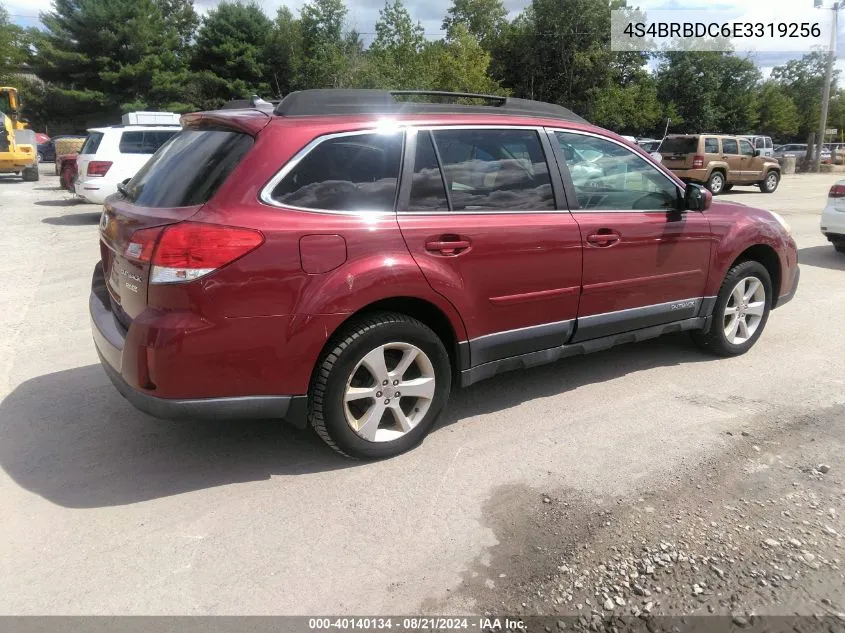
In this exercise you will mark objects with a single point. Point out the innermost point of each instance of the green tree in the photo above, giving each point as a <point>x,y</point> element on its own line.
<point>13,46</point>
<point>778,115</point>
<point>802,80</point>
<point>325,61</point>
<point>284,53</point>
<point>230,45</point>
<point>396,51</point>
<point>485,19</point>
<point>458,64</point>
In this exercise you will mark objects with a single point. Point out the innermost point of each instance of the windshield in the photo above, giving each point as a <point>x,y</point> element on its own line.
<point>188,169</point>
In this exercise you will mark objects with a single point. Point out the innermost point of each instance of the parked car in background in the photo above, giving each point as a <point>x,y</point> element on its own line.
<point>47,150</point>
<point>66,170</point>
<point>40,137</point>
<point>341,260</point>
<point>719,162</point>
<point>833,216</point>
<point>761,143</point>
<point>798,150</point>
<point>114,154</point>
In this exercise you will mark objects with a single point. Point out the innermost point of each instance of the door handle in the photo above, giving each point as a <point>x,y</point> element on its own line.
<point>603,237</point>
<point>448,245</point>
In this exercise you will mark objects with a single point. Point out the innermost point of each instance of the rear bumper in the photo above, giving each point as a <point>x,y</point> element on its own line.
<point>95,191</point>
<point>110,341</point>
<point>691,175</point>
<point>833,222</point>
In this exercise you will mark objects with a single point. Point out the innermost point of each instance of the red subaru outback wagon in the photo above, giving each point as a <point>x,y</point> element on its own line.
<point>345,258</point>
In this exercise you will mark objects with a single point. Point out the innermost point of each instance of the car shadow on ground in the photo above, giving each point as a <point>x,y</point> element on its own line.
<point>71,438</point>
<point>61,202</point>
<point>822,257</point>
<point>74,219</point>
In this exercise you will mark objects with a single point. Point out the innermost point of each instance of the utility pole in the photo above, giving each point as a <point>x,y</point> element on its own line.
<point>831,56</point>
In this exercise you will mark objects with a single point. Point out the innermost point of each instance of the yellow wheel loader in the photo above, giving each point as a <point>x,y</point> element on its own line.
<point>18,147</point>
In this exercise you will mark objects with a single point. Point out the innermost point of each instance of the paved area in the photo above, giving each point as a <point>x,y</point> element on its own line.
<point>108,511</point>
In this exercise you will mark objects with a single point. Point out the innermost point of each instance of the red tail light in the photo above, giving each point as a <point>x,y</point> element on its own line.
<point>190,250</point>
<point>836,191</point>
<point>697,161</point>
<point>98,167</point>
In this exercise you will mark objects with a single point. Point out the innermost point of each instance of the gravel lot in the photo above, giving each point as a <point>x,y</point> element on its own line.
<point>649,479</point>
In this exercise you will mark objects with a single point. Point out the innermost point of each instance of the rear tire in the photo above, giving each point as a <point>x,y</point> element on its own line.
<point>727,188</point>
<point>840,247</point>
<point>716,183</point>
<point>355,411</point>
<point>745,297</point>
<point>30,174</point>
<point>770,182</point>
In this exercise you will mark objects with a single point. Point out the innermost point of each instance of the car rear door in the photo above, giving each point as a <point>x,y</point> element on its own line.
<point>486,222</point>
<point>645,260</point>
<point>731,155</point>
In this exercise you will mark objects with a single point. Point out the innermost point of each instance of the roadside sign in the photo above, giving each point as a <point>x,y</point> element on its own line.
<point>831,130</point>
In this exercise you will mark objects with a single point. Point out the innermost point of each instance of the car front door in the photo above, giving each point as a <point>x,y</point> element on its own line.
<point>486,222</point>
<point>752,166</point>
<point>645,259</point>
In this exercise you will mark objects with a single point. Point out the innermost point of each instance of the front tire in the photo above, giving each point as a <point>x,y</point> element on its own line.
<point>30,174</point>
<point>741,312</point>
<point>378,390</point>
<point>770,182</point>
<point>716,183</point>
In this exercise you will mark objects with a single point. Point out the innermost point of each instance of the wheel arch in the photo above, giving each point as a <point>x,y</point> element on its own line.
<point>768,257</point>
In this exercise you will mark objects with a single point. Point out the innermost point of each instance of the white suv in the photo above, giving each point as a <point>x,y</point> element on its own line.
<point>111,155</point>
<point>833,216</point>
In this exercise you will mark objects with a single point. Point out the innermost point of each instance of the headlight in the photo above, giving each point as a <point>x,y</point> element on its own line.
<point>782,222</point>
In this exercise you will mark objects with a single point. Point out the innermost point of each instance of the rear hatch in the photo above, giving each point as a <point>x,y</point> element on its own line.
<point>176,182</point>
<point>678,151</point>
<point>88,151</point>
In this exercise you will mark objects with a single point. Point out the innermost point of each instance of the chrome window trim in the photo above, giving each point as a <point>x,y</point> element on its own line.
<point>647,159</point>
<point>265,196</point>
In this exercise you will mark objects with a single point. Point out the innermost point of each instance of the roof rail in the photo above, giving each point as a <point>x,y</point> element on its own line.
<point>253,102</point>
<point>340,101</point>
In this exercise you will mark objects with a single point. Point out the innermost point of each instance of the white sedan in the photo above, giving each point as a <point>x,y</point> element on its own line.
<point>833,216</point>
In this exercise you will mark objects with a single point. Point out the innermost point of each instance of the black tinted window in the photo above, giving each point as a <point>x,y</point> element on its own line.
<point>189,169</point>
<point>349,173</point>
<point>679,145</point>
<point>711,145</point>
<point>494,170</point>
<point>768,143</point>
<point>729,146</point>
<point>91,143</point>
<point>427,190</point>
<point>759,142</point>
<point>146,142</point>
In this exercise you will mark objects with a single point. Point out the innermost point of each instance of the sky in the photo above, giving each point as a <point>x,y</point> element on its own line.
<point>364,13</point>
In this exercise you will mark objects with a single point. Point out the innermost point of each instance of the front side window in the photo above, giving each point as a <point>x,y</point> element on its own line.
<point>768,143</point>
<point>759,142</point>
<point>711,145</point>
<point>609,176</point>
<point>729,146</point>
<point>745,148</point>
<point>356,172</point>
<point>494,170</point>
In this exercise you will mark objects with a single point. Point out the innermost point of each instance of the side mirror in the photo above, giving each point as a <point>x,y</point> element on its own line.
<point>697,198</point>
<point>757,152</point>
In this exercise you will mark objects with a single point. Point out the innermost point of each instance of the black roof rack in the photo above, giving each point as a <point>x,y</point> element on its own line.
<point>334,101</point>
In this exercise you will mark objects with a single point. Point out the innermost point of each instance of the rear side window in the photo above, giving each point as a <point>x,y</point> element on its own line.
<point>729,146</point>
<point>680,145</point>
<point>711,145</point>
<point>188,169</point>
<point>356,172</point>
<point>91,143</point>
<point>144,142</point>
<point>494,170</point>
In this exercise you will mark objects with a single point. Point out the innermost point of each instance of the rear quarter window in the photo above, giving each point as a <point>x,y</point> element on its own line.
<point>356,172</point>
<point>91,143</point>
<point>188,168</point>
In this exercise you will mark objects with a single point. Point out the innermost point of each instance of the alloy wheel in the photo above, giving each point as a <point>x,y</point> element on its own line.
<point>716,183</point>
<point>744,310</point>
<point>389,392</point>
<point>771,181</point>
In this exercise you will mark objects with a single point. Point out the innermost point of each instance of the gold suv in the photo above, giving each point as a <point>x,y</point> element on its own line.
<point>719,162</point>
